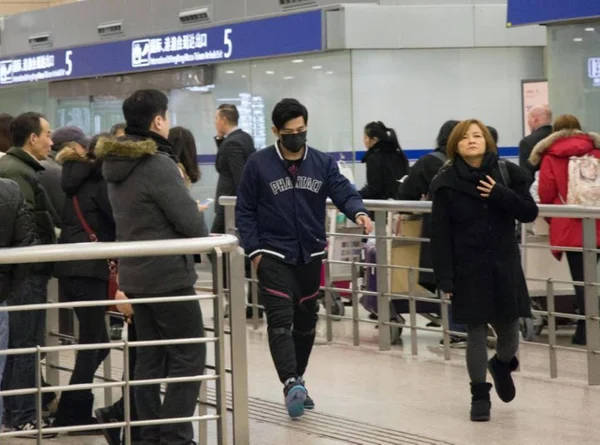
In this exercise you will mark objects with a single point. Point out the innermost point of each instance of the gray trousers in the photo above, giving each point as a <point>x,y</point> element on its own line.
<point>477,355</point>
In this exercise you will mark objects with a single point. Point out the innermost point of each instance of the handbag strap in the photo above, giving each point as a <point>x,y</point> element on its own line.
<point>82,220</point>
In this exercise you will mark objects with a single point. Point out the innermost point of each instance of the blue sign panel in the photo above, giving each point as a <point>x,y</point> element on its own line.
<point>289,34</point>
<point>529,12</point>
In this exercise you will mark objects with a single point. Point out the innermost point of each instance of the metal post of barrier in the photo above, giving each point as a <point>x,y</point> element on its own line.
<point>52,325</point>
<point>219,333</point>
<point>38,395</point>
<point>202,411</point>
<point>126,395</point>
<point>230,229</point>
<point>523,249</point>
<point>230,220</point>
<point>551,328</point>
<point>355,314</point>
<point>254,290</point>
<point>107,365</point>
<point>383,302</point>
<point>75,326</point>
<point>445,306</point>
<point>239,357</point>
<point>328,301</point>
<point>412,305</point>
<point>590,273</point>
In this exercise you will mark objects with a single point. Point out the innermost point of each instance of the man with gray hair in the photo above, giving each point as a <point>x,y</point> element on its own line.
<point>539,121</point>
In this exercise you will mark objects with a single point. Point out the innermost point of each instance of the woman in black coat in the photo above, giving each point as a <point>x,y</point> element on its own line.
<point>386,162</point>
<point>476,258</point>
<point>84,280</point>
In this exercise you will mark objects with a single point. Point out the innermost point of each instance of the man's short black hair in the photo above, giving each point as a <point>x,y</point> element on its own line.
<point>286,110</point>
<point>116,127</point>
<point>229,112</point>
<point>143,106</point>
<point>24,125</point>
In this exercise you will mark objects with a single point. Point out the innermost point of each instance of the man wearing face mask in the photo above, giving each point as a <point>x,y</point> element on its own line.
<point>280,214</point>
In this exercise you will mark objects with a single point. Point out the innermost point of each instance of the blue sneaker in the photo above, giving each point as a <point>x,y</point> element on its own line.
<point>295,396</point>
<point>309,403</point>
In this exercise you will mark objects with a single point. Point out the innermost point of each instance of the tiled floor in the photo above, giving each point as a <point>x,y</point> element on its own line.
<point>365,396</point>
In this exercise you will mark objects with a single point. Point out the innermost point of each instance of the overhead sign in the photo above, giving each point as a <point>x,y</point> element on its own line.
<point>531,12</point>
<point>277,36</point>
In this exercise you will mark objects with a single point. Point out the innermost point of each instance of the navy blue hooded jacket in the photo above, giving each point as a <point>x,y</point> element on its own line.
<point>278,217</point>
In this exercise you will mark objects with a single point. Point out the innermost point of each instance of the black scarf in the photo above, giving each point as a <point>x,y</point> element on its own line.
<point>474,174</point>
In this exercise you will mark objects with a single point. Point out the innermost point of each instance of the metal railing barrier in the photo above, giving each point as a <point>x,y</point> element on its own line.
<point>220,247</point>
<point>389,329</point>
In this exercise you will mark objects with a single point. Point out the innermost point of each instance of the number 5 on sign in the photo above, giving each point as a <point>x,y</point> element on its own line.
<point>69,62</point>
<point>228,43</point>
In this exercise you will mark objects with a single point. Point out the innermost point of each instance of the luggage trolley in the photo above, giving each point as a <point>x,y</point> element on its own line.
<point>403,253</point>
<point>341,248</point>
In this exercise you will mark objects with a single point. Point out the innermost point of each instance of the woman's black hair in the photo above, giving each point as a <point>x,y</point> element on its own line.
<point>184,149</point>
<point>387,136</point>
<point>445,132</point>
<point>380,131</point>
<point>494,133</point>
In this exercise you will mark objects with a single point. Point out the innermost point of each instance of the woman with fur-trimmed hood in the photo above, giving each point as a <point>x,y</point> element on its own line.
<point>553,153</point>
<point>84,280</point>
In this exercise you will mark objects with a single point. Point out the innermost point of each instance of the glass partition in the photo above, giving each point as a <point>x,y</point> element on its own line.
<point>574,71</point>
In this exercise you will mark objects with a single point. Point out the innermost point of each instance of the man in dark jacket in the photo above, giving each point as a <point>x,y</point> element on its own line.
<point>539,121</point>
<point>16,221</point>
<point>234,148</point>
<point>31,136</point>
<point>280,214</point>
<point>151,202</point>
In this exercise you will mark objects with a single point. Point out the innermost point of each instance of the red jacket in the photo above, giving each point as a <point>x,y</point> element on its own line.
<point>554,153</point>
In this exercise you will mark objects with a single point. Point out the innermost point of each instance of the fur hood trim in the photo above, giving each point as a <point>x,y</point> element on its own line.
<point>545,144</point>
<point>125,148</point>
<point>69,154</point>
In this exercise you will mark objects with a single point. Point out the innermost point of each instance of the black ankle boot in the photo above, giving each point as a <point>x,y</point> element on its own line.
<point>503,381</point>
<point>76,410</point>
<point>480,402</point>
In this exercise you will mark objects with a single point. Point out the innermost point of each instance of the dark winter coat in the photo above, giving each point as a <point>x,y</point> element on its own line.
<point>150,202</point>
<point>414,188</point>
<point>22,168</point>
<point>385,167</point>
<point>475,253</point>
<point>17,229</point>
<point>232,155</point>
<point>527,145</point>
<point>50,178</point>
<point>554,153</point>
<point>82,177</point>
